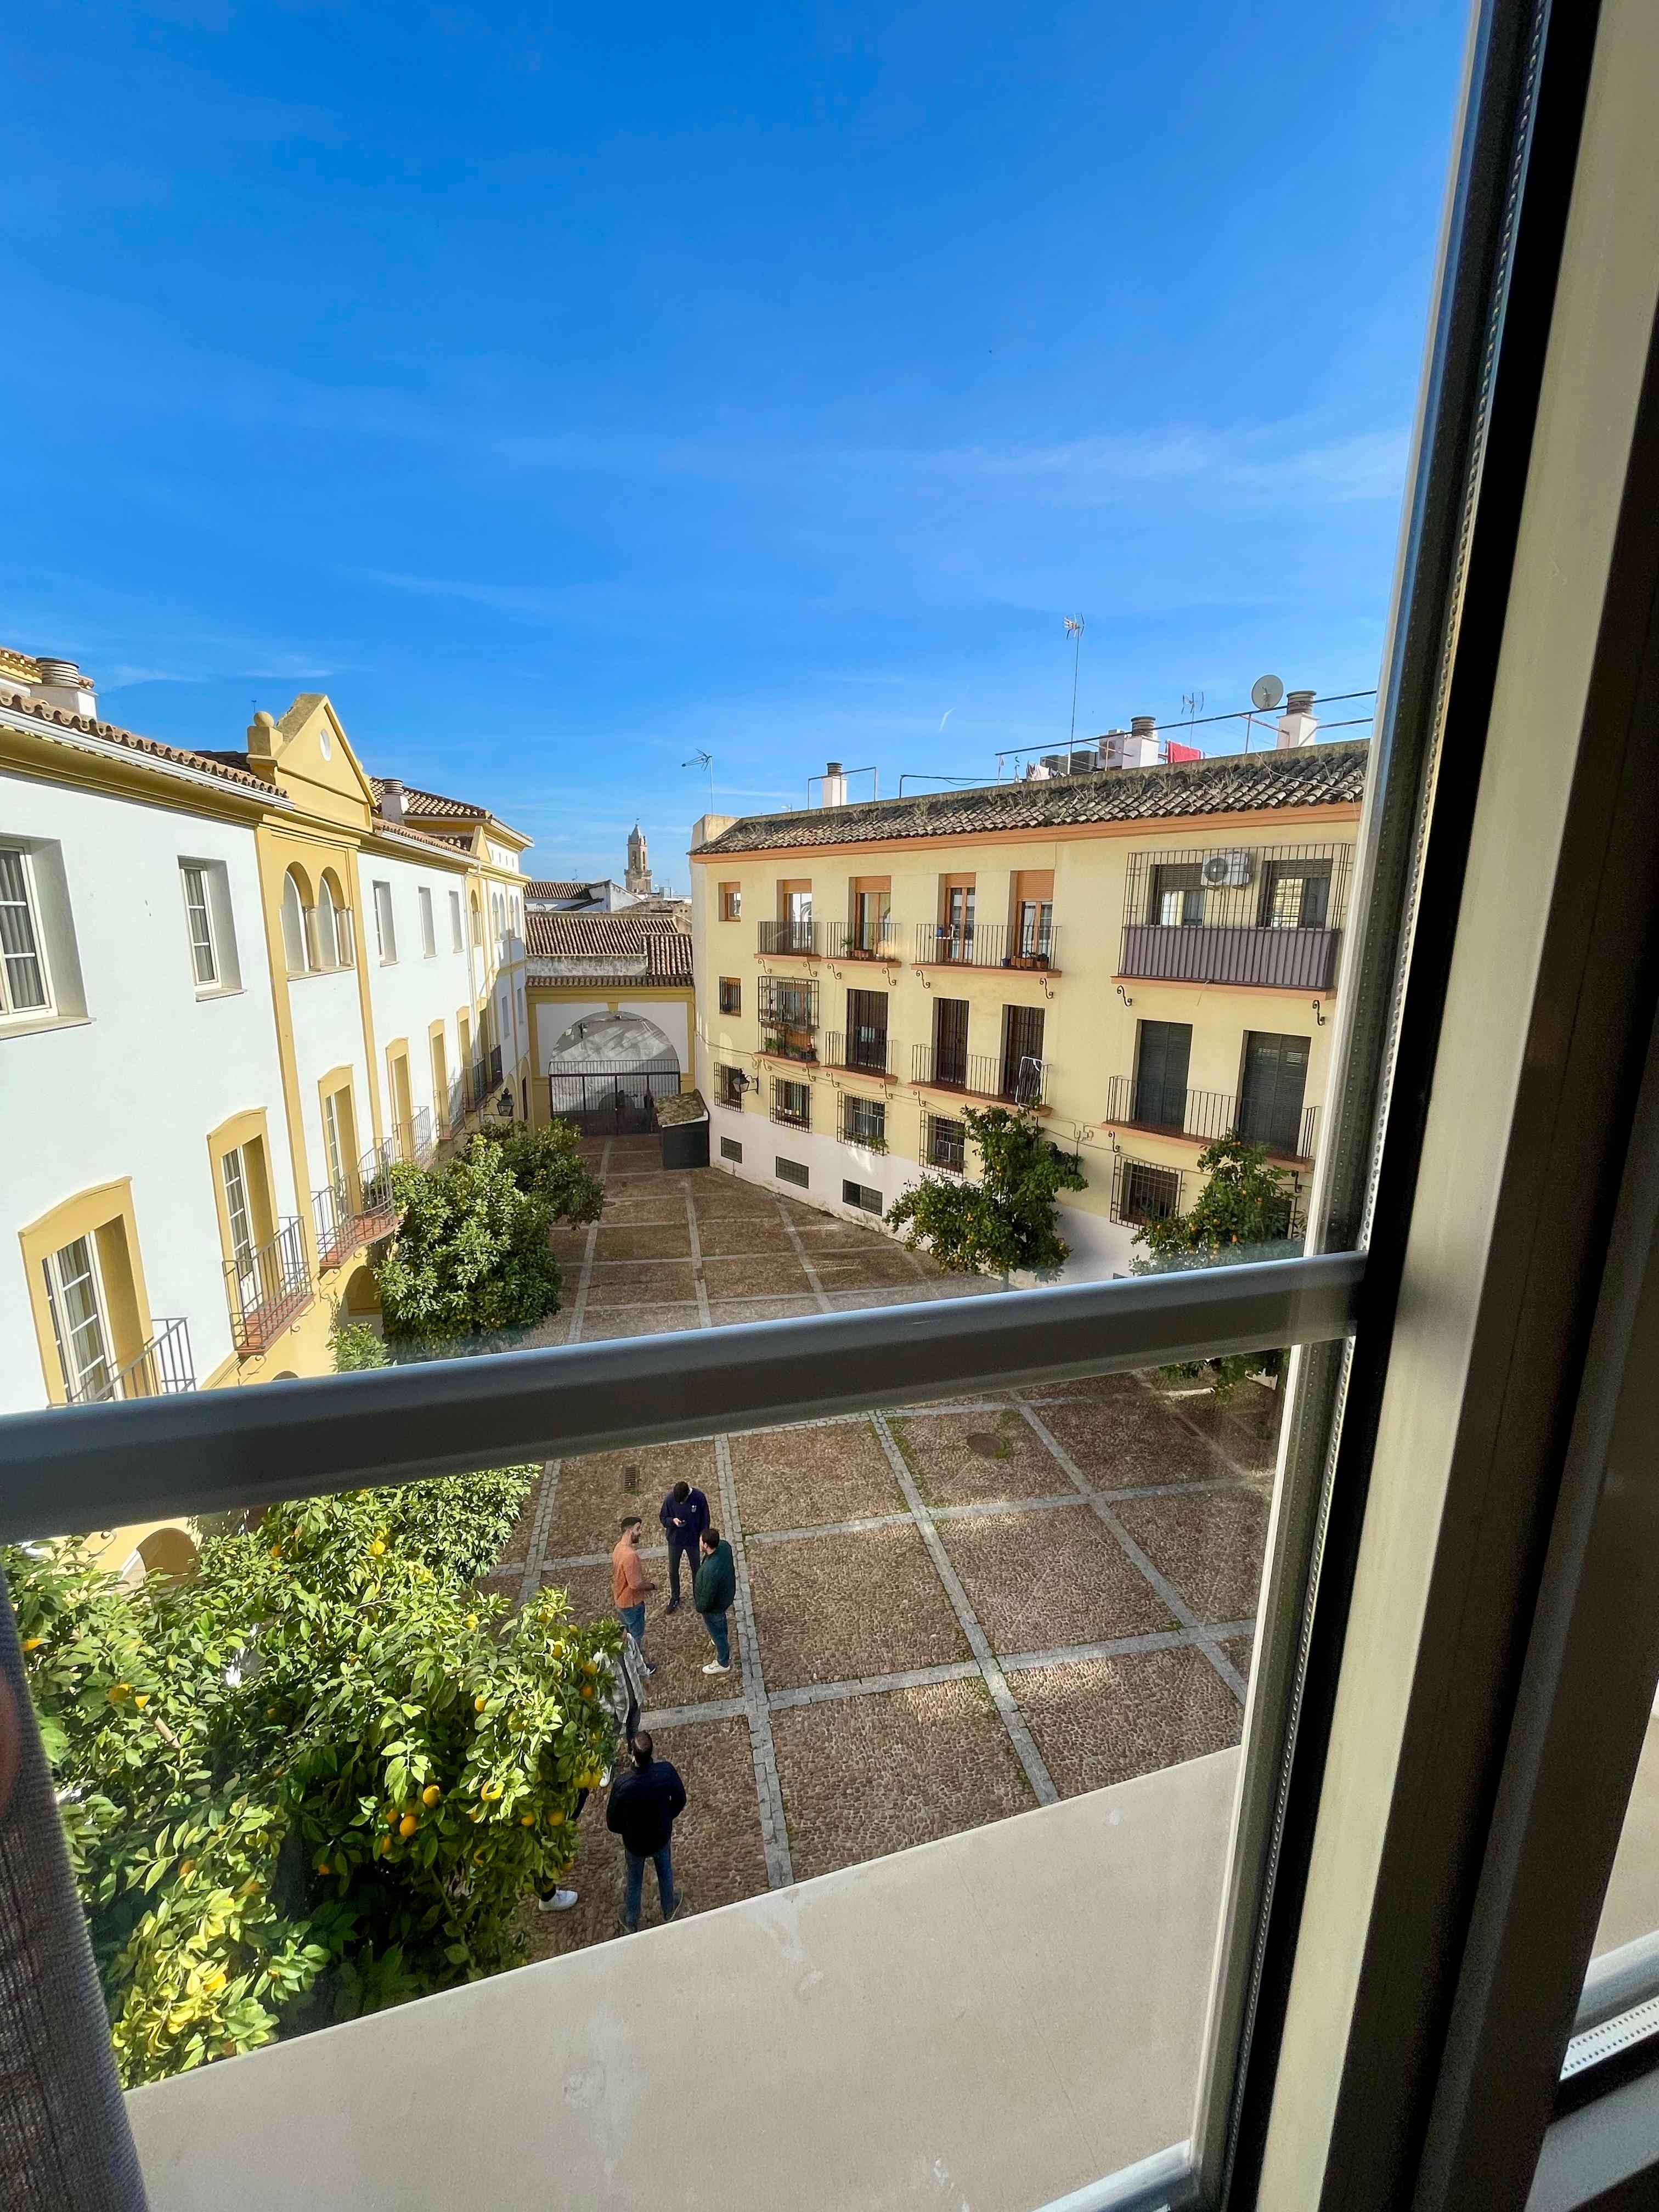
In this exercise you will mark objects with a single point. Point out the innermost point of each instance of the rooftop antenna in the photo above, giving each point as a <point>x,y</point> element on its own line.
<point>1074,631</point>
<point>701,759</point>
<point>1193,701</point>
<point>1265,694</point>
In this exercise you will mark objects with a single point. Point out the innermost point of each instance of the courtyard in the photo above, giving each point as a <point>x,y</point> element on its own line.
<point>945,1614</point>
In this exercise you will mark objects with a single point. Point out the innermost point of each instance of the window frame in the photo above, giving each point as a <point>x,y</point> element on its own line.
<point>730,994</point>
<point>428,926</point>
<point>207,942</point>
<point>29,903</point>
<point>385,923</point>
<point>75,1385</point>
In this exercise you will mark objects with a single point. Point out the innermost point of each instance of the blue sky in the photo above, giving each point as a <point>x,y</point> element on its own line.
<point>568,388</point>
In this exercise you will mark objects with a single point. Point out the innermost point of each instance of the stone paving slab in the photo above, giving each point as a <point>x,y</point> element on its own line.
<point>742,1235</point>
<point>653,1241</point>
<point>1085,1386</point>
<point>637,1283</point>
<point>570,1247</point>
<point>1100,1720</point>
<point>797,1477</point>
<point>831,1609</point>
<point>594,1494</point>
<point>1038,1579</point>
<point>640,1321</point>
<point>662,1203</point>
<point>1245,1428</point>
<point>766,1277</point>
<point>833,1235</point>
<point>1209,1544</point>
<point>975,1458</point>
<point>725,1313</point>
<point>1127,1443</point>
<point>877,1774</point>
<point>518,1542</point>
<point>870,1269</point>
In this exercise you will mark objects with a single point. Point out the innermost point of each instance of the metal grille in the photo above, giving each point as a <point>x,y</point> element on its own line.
<point>612,1097</point>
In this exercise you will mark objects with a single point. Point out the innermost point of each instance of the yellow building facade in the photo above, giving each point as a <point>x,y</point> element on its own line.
<point>1146,956</point>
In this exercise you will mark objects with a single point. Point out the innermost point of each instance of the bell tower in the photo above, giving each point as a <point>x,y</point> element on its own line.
<point>638,876</point>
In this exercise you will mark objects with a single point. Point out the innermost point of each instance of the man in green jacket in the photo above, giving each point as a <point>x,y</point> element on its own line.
<point>712,1594</point>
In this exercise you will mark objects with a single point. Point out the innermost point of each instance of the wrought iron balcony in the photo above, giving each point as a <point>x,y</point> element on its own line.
<point>377,1204</point>
<point>267,1287</point>
<point>161,1370</point>
<point>415,1140</point>
<point>879,940</point>
<point>794,940</point>
<point>988,945</point>
<point>1207,1115</point>
<point>1271,959</point>
<point>336,1220</point>
<point>996,1077</point>
<point>1267,915</point>
<point>861,1052</point>
<point>790,1044</point>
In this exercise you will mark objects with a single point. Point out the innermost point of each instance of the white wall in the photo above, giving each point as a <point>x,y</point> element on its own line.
<point>132,1090</point>
<point>411,993</point>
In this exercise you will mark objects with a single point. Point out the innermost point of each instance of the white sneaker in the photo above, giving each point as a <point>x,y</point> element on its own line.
<point>561,1901</point>
<point>715,1668</point>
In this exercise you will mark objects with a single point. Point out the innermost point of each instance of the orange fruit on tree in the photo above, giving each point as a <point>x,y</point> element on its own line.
<point>408,1825</point>
<point>431,1794</point>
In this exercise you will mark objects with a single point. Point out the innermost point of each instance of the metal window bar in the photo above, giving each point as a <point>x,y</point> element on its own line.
<point>981,1075</point>
<point>413,1138</point>
<point>945,1145</point>
<point>336,1224</point>
<point>161,1370</point>
<point>864,1123</point>
<point>988,945</point>
<point>266,1293</point>
<point>1251,930</point>
<point>1241,904</point>
<point>877,940</point>
<point>377,1205</point>
<point>864,1051</point>
<point>798,940</point>
<point>787,1004</point>
<point>792,1104</point>
<point>1209,1115</point>
<point>1144,1191</point>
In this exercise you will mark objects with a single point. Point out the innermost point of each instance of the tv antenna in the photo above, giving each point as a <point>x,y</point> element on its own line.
<point>1074,631</point>
<point>1265,693</point>
<point>1193,704</point>
<point>701,759</point>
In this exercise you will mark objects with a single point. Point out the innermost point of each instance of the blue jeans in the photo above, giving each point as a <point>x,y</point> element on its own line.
<point>678,1550</point>
<point>666,1890</point>
<point>715,1623</point>
<point>632,1618</point>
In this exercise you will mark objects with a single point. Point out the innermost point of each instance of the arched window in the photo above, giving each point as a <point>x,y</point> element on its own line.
<point>294,926</point>
<point>328,953</point>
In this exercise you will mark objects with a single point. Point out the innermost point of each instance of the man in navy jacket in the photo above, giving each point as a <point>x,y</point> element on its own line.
<point>644,1805</point>
<point>684,1515</point>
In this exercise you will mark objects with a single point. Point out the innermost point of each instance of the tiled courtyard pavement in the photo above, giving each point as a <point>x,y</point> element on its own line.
<point>945,1614</point>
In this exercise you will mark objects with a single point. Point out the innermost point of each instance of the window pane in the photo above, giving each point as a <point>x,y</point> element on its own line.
<point>25,983</point>
<point>240,1214</point>
<point>77,1319</point>
<point>200,928</point>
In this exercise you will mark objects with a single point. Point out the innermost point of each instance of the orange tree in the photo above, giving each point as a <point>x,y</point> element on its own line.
<point>319,1776</point>
<point>1006,1220</point>
<point>1243,1212</point>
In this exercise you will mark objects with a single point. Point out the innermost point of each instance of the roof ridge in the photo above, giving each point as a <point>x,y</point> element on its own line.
<point>91,726</point>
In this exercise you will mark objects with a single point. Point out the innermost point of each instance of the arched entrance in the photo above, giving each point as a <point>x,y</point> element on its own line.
<point>607,1070</point>
<point>361,1300</point>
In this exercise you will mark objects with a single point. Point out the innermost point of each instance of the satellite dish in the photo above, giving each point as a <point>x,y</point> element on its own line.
<point>1265,693</point>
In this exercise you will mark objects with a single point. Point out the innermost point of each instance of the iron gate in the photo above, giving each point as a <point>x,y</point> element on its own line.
<point>611,1098</point>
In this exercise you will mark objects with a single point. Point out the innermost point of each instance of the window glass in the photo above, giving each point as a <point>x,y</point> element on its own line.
<point>22,969</point>
<point>238,1211</point>
<point>200,922</point>
<point>385,939</point>
<point>326,932</point>
<point>295,941</point>
<point>455,944</point>
<point>77,1317</point>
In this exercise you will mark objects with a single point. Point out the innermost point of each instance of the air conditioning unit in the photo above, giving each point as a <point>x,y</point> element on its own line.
<point>1227,870</point>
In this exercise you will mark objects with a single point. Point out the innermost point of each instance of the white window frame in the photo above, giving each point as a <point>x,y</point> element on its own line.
<point>238,1205</point>
<point>429,933</point>
<point>198,918</point>
<point>385,926</point>
<point>59,1286</point>
<point>456,927</point>
<point>28,904</point>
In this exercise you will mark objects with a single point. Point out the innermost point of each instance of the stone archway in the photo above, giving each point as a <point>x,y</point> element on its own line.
<point>624,1039</point>
<point>167,1551</point>
<point>360,1299</point>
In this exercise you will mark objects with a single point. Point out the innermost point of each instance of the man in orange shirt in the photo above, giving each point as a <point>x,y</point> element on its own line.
<point>629,1586</point>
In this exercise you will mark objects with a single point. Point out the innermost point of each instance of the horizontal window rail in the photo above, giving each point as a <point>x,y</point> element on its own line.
<point>882,940</point>
<point>863,1052</point>
<point>335,1219</point>
<point>268,1290</point>
<point>161,1370</point>
<point>996,1077</point>
<point>1289,1133</point>
<point>102,1465</point>
<point>798,940</point>
<point>987,944</point>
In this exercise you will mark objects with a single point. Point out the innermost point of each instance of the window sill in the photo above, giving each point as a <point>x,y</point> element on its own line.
<point>206,991</point>
<point>33,1025</point>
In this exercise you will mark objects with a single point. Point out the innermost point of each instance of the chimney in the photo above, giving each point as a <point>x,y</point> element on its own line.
<point>62,684</point>
<point>1140,746</point>
<point>262,744</point>
<point>1298,725</point>
<point>392,799</point>
<point>835,785</point>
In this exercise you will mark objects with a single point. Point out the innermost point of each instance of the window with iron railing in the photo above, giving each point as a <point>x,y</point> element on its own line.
<point>1268,915</point>
<point>791,1102</point>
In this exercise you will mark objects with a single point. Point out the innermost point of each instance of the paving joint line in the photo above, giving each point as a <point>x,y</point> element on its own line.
<point>579,1305</point>
<point>1168,1593</point>
<point>540,1529</point>
<point>768,1791</point>
<point>805,1257</point>
<point>1002,1697</point>
<point>697,1282</point>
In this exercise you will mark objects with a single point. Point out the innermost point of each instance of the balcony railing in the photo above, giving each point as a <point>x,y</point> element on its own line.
<point>987,944</point>
<point>862,1051</point>
<point>1207,1115</point>
<point>1271,959</point>
<point>415,1140</point>
<point>337,1233</point>
<point>268,1288</point>
<point>874,941</point>
<point>797,940</point>
<point>161,1370</point>
<point>994,1076</point>
<point>789,1044</point>
<point>377,1205</point>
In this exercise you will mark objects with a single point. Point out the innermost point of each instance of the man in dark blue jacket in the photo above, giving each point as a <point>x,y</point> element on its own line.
<point>643,1809</point>
<point>684,1515</point>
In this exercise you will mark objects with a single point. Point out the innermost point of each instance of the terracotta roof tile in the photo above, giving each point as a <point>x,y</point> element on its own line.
<point>623,936</point>
<point>541,888</point>
<point>180,756</point>
<point>1308,776</point>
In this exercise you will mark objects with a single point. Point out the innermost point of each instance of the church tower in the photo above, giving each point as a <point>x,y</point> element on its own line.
<point>638,877</point>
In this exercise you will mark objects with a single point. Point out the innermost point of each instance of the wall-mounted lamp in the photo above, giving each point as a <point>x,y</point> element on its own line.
<point>1124,995</point>
<point>1318,1016</point>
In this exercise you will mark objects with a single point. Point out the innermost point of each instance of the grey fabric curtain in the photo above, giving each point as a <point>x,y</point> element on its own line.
<point>65,2142</point>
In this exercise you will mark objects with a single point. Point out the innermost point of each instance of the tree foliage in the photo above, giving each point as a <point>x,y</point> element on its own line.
<point>1009,1218</point>
<point>471,1256</point>
<point>1242,1213</point>
<point>316,1777</point>
<point>546,1163</point>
